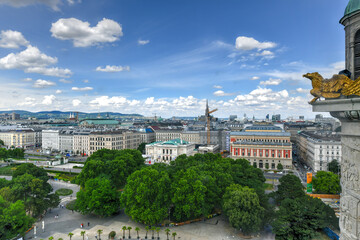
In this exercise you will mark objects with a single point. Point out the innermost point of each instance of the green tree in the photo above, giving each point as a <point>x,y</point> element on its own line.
<point>267,165</point>
<point>70,235</point>
<point>137,229</point>
<point>129,228</point>
<point>141,148</point>
<point>326,182</point>
<point>112,235</point>
<point>1,143</point>
<point>116,165</point>
<point>3,154</point>
<point>167,231</point>
<point>99,231</point>
<point>13,219</point>
<point>146,196</point>
<point>301,218</point>
<point>279,167</point>
<point>98,197</point>
<point>153,228</point>
<point>51,238</point>
<point>254,165</point>
<point>290,187</point>
<point>147,230</point>
<point>158,231</point>
<point>334,167</point>
<point>82,233</point>
<point>174,235</point>
<point>31,169</point>
<point>242,206</point>
<point>124,229</point>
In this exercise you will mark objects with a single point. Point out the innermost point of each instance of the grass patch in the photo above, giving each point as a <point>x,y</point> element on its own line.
<point>77,167</point>
<point>71,205</point>
<point>268,186</point>
<point>64,192</point>
<point>65,177</point>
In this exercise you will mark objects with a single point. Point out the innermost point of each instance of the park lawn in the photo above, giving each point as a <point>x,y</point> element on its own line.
<point>64,192</point>
<point>268,186</point>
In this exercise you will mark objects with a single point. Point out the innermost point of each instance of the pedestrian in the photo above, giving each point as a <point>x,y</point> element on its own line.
<point>82,225</point>
<point>72,211</point>
<point>88,224</point>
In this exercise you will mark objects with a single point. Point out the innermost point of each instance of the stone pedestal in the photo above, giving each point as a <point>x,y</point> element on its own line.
<point>348,112</point>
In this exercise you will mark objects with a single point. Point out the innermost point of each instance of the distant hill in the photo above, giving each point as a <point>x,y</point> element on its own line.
<point>60,114</point>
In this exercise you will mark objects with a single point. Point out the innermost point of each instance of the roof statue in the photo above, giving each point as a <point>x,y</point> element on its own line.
<point>334,87</point>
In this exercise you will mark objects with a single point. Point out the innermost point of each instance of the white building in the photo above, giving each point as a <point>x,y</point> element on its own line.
<point>50,140</point>
<point>168,150</point>
<point>66,140</point>
<point>318,150</point>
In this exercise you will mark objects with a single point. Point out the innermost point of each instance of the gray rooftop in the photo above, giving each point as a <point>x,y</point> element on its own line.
<point>274,134</point>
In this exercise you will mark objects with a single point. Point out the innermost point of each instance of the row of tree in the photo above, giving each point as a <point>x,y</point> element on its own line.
<point>11,153</point>
<point>27,195</point>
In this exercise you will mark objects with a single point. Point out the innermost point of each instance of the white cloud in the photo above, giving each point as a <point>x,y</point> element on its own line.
<point>27,79</point>
<point>302,90</point>
<point>248,43</point>
<point>12,39</point>
<point>221,93</point>
<point>31,60</point>
<point>271,81</point>
<point>143,42</point>
<point>43,83</point>
<point>85,81</point>
<point>22,3</point>
<point>58,91</point>
<point>83,35</point>
<point>217,86</point>
<point>82,89</point>
<point>255,78</point>
<point>76,102</point>
<point>65,81</point>
<point>28,102</point>
<point>48,100</point>
<point>109,68</point>
<point>104,101</point>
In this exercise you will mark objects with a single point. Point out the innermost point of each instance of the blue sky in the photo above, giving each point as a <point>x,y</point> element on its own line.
<point>167,57</point>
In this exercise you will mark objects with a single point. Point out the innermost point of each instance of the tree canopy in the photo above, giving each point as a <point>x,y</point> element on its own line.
<point>98,197</point>
<point>31,169</point>
<point>290,187</point>
<point>242,206</point>
<point>326,182</point>
<point>146,196</point>
<point>116,165</point>
<point>301,218</point>
<point>334,167</point>
<point>141,148</point>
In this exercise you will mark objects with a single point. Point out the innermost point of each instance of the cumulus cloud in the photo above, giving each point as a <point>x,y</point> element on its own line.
<point>248,43</point>
<point>109,68</point>
<point>82,35</point>
<point>104,101</point>
<point>31,60</point>
<point>221,93</point>
<point>255,78</point>
<point>65,81</point>
<point>40,83</point>
<point>82,89</point>
<point>76,102</point>
<point>12,39</point>
<point>48,100</point>
<point>302,90</point>
<point>54,4</point>
<point>143,42</point>
<point>271,81</point>
<point>28,102</point>
<point>85,81</point>
<point>58,91</point>
<point>27,79</point>
<point>217,86</point>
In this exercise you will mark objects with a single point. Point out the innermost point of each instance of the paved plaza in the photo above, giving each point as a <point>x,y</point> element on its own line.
<point>216,228</point>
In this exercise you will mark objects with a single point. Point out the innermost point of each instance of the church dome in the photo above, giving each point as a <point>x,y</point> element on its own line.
<point>353,6</point>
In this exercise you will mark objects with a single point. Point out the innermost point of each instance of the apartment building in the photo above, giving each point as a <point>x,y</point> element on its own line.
<point>50,139</point>
<point>263,146</point>
<point>66,140</point>
<point>22,138</point>
<point>317,150</point>
<point>168,134</point>
<point>81,142</point>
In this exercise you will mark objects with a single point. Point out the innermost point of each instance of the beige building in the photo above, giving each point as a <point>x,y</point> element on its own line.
<point>114,140</point>
<point>166,151</point>
<point>191,136</point>
<point>18,138</point>
<point>168,134</point>
<point>81,142</point>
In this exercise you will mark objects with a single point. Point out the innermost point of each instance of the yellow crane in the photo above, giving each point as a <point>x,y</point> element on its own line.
<point>207,115</point>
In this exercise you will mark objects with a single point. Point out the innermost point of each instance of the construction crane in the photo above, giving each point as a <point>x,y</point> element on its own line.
<point>207,115</point>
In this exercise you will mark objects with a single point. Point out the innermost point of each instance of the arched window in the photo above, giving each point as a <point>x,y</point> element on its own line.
<point>357,55</point>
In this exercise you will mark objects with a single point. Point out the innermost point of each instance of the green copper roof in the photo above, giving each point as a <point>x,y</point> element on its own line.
<point>100,121</point>
<point>353,6</point>
<point>176,141</point>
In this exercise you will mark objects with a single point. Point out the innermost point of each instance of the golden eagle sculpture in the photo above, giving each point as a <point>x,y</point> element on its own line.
<point>334,87</point>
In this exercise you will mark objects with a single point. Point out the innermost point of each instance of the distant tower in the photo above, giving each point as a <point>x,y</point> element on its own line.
<point>207,109</point>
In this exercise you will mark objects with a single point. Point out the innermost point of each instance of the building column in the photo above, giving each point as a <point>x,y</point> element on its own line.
<point>348,112</point>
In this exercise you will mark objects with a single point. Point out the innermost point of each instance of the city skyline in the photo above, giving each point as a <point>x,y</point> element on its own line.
<point>167,58</point>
